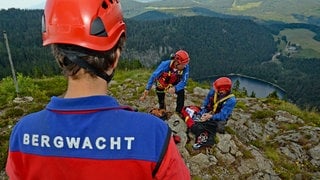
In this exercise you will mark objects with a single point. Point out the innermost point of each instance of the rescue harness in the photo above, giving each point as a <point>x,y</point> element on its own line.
<point>215,105</point>
<point>169,79</point>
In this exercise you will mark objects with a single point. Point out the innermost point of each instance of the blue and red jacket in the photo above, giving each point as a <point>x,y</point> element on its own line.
<point>92,138</point>
<point>164,68</point>
<point>224,108</point>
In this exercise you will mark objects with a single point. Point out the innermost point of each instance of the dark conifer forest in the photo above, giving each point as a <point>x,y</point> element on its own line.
<point>217,46</point>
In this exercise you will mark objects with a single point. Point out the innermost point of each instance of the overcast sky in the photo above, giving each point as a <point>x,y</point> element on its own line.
<point>22,4</point>
<point>33,4</point>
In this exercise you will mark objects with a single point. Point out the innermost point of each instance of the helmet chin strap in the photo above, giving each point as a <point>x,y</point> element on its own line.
<point>75,57</point>
<point>176,63</point>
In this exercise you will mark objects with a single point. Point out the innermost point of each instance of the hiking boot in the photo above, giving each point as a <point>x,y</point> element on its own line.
<point>200,140</point>
<point>197,146</point>
<point>203,140</point>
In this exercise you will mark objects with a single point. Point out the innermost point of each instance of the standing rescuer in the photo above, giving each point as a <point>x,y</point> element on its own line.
<point>87,134</point>
<point>170,76</point>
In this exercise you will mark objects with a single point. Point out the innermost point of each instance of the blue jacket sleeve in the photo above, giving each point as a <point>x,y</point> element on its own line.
<point>206,101</point>
<point>226,110</point>
<point>163,67</point>
<point>184,79</point>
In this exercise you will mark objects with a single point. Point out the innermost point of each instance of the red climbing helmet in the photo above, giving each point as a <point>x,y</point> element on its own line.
<point>182,57</point>
<point>222,84</point>
<point>93,24</point>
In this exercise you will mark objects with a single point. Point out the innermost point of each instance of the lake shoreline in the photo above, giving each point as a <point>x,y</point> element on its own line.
<point>261,88</point>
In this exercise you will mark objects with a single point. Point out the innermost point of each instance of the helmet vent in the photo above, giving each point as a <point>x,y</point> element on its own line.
<point>97,28</point>
<point>104,5</point>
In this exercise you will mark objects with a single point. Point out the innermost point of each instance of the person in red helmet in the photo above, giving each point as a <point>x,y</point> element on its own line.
<point>216,109</point>
<point>86,134</point>
<point>171,77</point>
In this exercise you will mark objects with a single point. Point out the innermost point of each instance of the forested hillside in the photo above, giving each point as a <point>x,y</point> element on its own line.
<point>23,28</point>
<point>217,46</point>
<point>213,43</point>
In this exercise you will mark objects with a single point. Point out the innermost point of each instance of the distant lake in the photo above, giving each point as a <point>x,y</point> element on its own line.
<point>260,87</point>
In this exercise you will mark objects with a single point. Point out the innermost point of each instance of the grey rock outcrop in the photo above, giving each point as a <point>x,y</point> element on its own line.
<point>274,145</point>
<point>278,146</point>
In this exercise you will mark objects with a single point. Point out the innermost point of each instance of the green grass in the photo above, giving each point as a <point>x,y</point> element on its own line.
<point>141,74</point>
<point>192,84</point>
<point>247,6</point>
<point>241,105</point>
<point>310,117</point>
<point>307,53</point>
<point>303,37</point>
<point>286,169</point>
<point>263,114</point>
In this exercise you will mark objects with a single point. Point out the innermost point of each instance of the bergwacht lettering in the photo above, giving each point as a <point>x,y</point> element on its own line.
<point>100,143</point>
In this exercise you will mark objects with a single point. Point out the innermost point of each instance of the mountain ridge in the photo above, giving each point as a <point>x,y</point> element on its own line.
<point>279,10</point>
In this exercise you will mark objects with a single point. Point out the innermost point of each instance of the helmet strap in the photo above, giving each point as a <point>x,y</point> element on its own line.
<point>175,63</point>
<point>75,57</point>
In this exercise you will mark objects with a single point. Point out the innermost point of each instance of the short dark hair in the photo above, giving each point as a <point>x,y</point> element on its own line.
<point>102,60</point>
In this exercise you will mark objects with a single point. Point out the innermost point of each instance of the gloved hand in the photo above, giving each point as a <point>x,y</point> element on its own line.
<point>206,117</point>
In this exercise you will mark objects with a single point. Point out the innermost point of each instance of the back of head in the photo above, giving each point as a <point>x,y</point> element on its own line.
<point>222,84</point>
<point>84,34</point>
